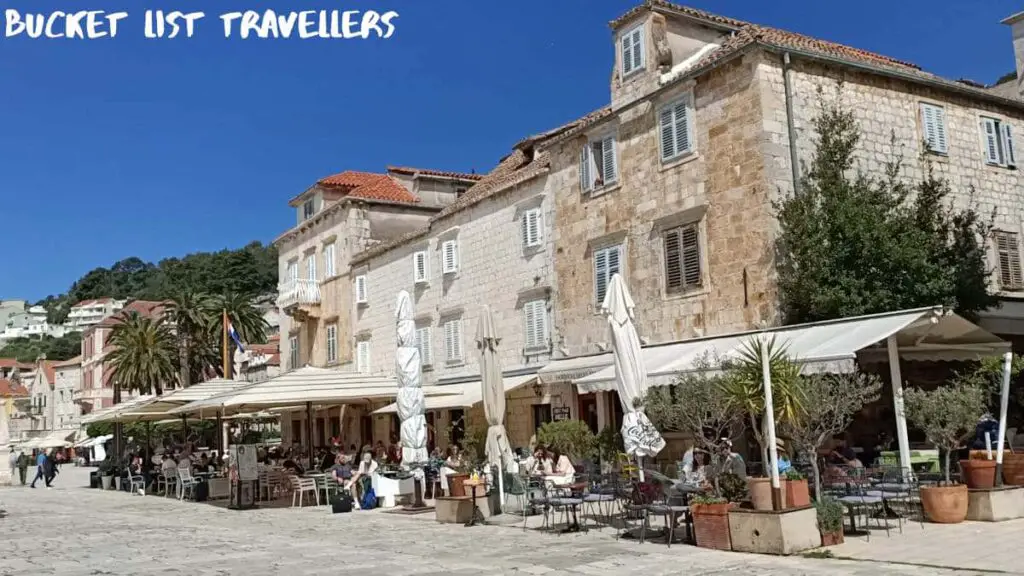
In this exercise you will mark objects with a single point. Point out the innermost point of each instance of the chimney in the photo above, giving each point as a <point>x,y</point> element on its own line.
<point>1016,24</point>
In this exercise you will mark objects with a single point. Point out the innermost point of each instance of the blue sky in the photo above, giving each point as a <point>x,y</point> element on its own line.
<point>155,148</point>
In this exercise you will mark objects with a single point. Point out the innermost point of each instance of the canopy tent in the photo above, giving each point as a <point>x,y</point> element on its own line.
<point>97,441</point>
<point>107,414</point>
<point>308,385</point>
<point>464,395</point>
<point>157,408</point>
<point>55,439</point>
<point>833,346</point>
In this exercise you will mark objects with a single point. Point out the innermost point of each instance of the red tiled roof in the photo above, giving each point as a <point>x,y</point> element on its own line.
<point>13,363</point>
<point>274,360</point>
<point>369,186</point>
<point>9,389</point>
<point>686,10</point>
<point>147,308</point>
<point>49,371</point>
<point>437,173</point>
<point>95,301</point>
<point>71,362</point>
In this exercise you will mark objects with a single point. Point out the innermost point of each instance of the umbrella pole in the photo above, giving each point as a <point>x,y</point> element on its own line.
<point>149,440</point>
<point>769,416</point>
<point>501,483</point>
<point>184,430</point>
<point>1004,399</point>
<point>219,436</point>
<point>309,430</point>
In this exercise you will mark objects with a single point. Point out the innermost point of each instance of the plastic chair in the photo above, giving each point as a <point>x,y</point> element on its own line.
<point>302,485</point>
<point>186,482</point>
<point>137,484</point>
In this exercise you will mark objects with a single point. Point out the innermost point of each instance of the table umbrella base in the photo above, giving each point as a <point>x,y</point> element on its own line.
<point>477,519</point>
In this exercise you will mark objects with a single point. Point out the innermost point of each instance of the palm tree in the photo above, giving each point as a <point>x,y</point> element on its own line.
<point>246,318</point>
<point>143,355</point>
<point>190,314</point>
<point>743,386</point>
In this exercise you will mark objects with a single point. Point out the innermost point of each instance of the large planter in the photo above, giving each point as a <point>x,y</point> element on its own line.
<point>761,492</point>
<point>945,504</point>
<point>978,473</point>
<point>117,483</point>
<point>711,525</point>
<point>455,485</point>
<point>105,482</point>
<point>832,538</point>
<point>796,492</point>
<point>1013,469</point>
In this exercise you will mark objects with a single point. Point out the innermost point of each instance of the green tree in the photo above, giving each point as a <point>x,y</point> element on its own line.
<point>851,244</point>
<point>143,355</point>
<point>190,314</point>
<point>65,347</point>
<point>247,320</point>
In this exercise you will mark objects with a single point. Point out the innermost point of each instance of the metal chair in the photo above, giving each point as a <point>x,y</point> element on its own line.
<point>601,493</point>
<point>537,497</point>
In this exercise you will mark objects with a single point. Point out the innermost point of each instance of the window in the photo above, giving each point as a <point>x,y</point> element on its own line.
<point>293,270</point>
<point>674,129</point>
<point>423,345</point>
<point>332,343</point>
<point>293,352</point>
<point>363,356</point>
<point>997,140</point>
<point>633,50</point>
<point>933,119</point>
<point>453,340</point>
<point>1008,253</point>
<point>329,260</point>
<point>533,228</point>
<point>361,289</point>
<point>311,267</point>
<point>308,209</point>
<point>682,258</point>
<point>597,164</point>
<point>536,316</point>
<point>449,257</point>
<point>606,265</point>
<point>420,273</point>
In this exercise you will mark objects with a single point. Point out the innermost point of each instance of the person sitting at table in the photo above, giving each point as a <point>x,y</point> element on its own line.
<point>292,467</point>
<point>204,462</point>
<point>694,471</point>
<point>395,451</point>
<point>452,462</point>
<point>562,470</point>
<point>364,475</point>
<point>326,460</point>
<point>342,469</point>
<point>537,463</point>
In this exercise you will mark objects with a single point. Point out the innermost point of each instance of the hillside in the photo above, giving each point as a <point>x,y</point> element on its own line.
<point>248,270</point>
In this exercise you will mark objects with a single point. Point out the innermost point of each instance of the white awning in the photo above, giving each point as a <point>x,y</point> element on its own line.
<point>158,408</point>
<point>55,439</point>
<point>298,387</point>
<point>568,369</point>
<point>833,346</point>
<point>465,395</point>
<point>107,414</point>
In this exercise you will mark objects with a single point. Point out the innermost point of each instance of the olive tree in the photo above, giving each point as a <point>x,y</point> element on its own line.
<point>948,414</point>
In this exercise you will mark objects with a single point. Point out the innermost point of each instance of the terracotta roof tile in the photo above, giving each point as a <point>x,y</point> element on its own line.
<point>13,363</point>
<point>49,371</point>
<point>438,173</point>
<point>369,186</point>
<point>495,180</point>
<point>84,303</point>
<point>274,360</point>
<point>77,360</point>
<point>686,10</point>
<point>9,389</point>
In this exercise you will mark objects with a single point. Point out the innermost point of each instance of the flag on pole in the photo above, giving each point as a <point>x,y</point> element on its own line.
<point>234,336</point>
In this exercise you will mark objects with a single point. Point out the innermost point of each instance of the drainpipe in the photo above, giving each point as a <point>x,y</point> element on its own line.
<point>789,123</point>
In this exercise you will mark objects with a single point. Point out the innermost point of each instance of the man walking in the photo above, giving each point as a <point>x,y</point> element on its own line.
<point>23,461</point>
<point>50,469</point>
<point>13,462</point>
<point>40,463</point>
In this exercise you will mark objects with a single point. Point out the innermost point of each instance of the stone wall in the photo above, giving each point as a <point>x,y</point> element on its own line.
<point>721,186</point>
<point>494,269</point>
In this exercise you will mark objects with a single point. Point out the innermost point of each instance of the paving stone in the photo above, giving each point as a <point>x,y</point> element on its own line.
<point>72,531</point>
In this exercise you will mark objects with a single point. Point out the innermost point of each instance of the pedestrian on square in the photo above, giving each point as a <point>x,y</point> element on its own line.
<point>13,462</point>
<point>50,468</point>
<point>40,461</point>
<point>23,461</point>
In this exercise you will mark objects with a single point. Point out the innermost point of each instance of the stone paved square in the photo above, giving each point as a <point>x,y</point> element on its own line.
<point>72,531</point>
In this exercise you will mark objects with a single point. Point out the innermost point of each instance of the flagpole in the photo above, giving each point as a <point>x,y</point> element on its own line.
<point>227,367</point>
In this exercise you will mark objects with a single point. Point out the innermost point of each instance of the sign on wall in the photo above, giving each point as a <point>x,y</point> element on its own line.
<point>560,413</point>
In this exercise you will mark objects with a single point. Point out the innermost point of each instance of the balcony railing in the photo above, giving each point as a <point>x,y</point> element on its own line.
<point>299,292</point>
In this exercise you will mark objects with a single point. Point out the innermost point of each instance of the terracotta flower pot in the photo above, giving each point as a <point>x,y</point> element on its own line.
<point>1013,469</point>
<point>711,525</point>
<point>832,538</point>
<point>978,473</point>
<point>455,484</point>
<point>761,492</point>
<point>797,494</point>
<point>945,504</point>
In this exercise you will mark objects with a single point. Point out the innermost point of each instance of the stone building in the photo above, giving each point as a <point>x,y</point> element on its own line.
<point>96,390</point>
<point>339,216</point>
<point>491,247</point>
<point>67,381</point>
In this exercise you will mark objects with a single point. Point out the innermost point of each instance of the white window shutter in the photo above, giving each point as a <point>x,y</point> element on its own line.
<point>988,136</point>
<point>940,130</point>
<point>638,48</point>
<point>611,169</point>
<point>933,119</point>
<point>586,180</point>
<point>681,111</point>
<point>311,267</point>
<point>690,252</point>
<point>293,270</point>
<point>531,228</point>
<point>361,289</point>
<point>627,54</point>
<point>600,275</point>
<point>419,267</point>
<point>537,227</point>
<point>666,128</point>
<point>450,256</point>
<point>1011,153</point>
<point>423,345</point>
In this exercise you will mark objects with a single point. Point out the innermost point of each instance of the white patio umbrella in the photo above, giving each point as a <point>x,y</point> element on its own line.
<point>498,451</point>
<point>639,436</point>
<point>410,388</point>
<point>5,450</point>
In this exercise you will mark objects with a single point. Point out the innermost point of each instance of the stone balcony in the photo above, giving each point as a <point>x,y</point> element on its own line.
<point>299,298</point>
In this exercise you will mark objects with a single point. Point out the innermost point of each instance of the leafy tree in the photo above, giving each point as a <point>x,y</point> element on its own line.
<point>946,415</point>
<point>29,349</point>
<point>143,355</point>
<point>830,402</point>
<point>852,244</point>
<point>247,320</point>
<point>189,313</point>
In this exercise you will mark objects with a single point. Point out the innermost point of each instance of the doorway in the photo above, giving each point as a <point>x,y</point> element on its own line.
<point>458,420</point>
<point>588,411</point>
<point>541,415</point>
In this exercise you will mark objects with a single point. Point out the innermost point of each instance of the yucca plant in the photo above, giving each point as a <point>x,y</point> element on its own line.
<point>743,387</point>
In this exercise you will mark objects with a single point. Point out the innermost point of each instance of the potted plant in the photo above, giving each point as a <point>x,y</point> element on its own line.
<point>711,521</point>
<point>830,402</point>
<point>571,437</point>
<point>830,521</point>
<point>106,470</point>
<point>744,387</point>
<point>947,416</point>
<point>795,489</point>
<point>978,472</point>
<point>608,445</point>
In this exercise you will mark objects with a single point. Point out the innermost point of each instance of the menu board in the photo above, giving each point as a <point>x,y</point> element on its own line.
<point>243,457</point>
